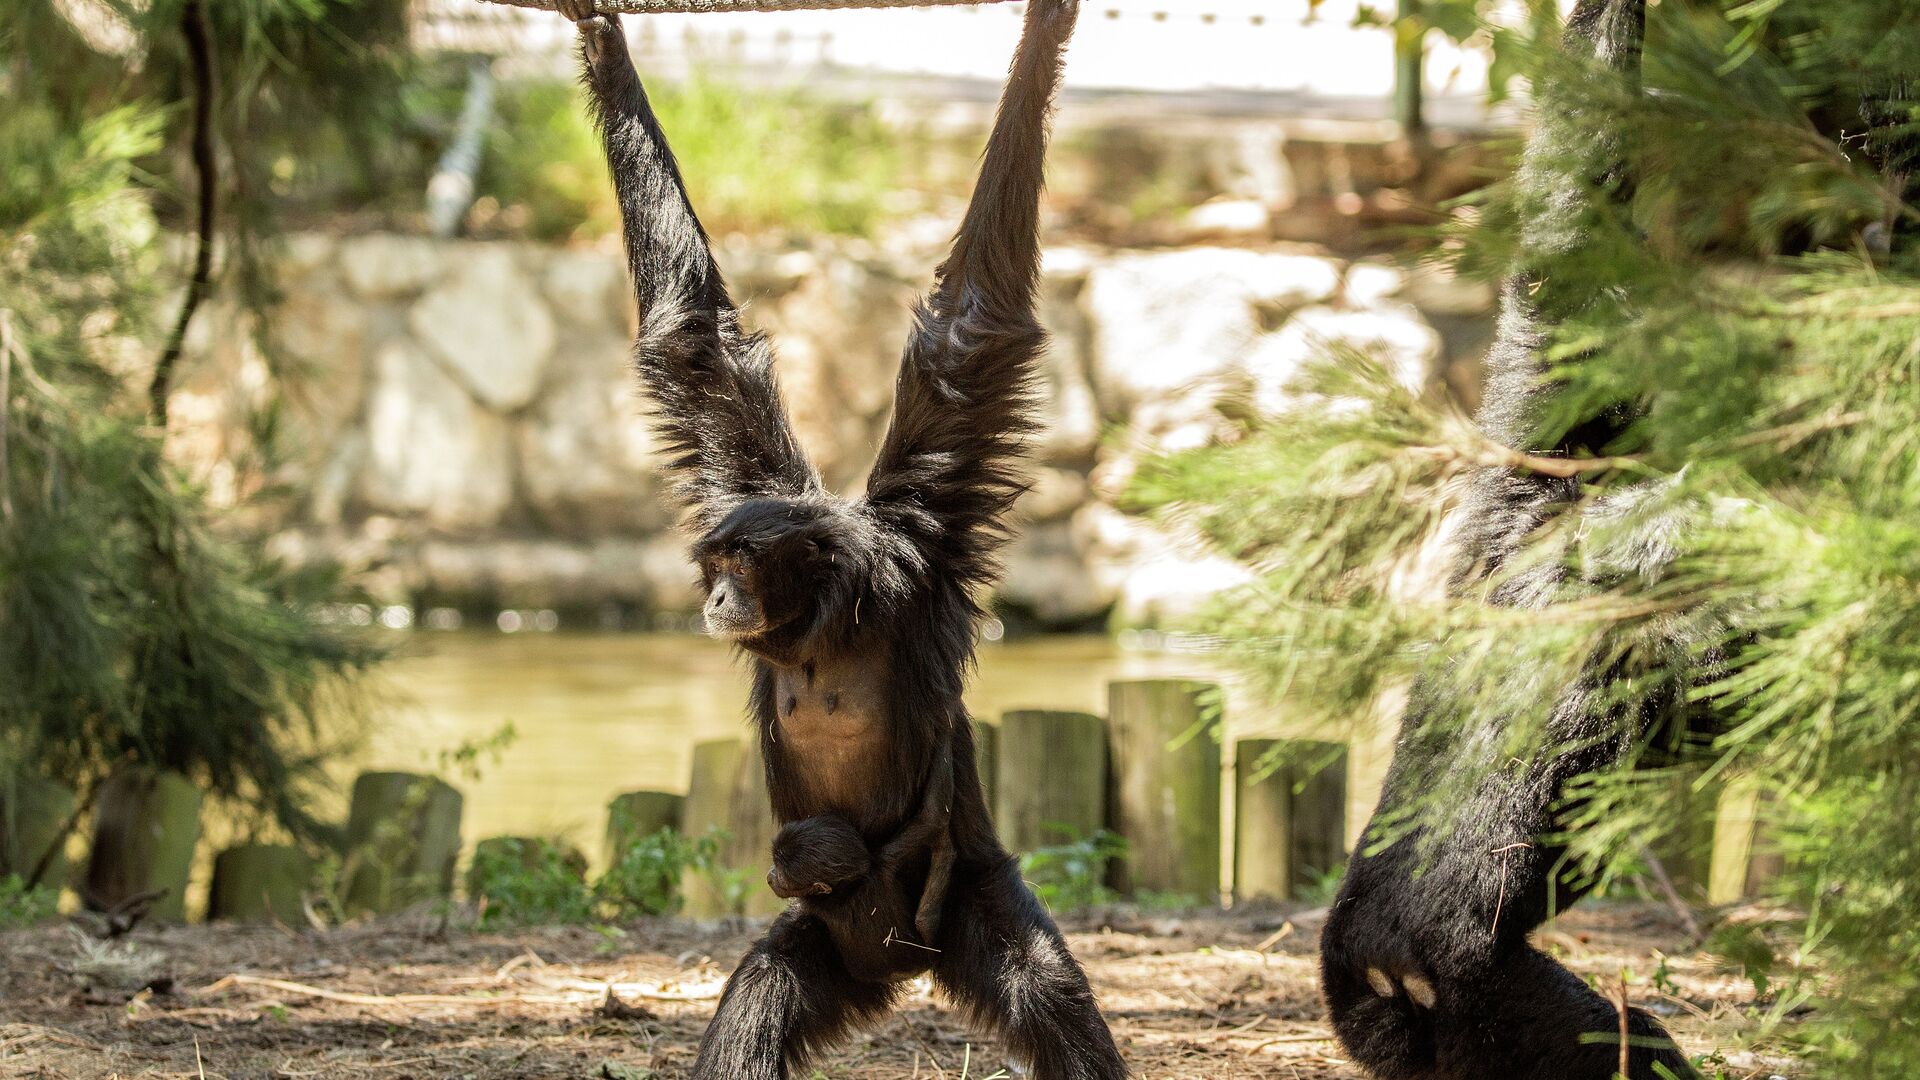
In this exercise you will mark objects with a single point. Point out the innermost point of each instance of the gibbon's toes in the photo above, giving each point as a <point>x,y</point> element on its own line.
<point>1421,991</point>
<point>578,10</point>
<point>1381,984</point>
<point>1418,988</point>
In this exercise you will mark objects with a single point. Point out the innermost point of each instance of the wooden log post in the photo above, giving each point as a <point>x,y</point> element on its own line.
<point>260,883</point>
<point>1743,864</point>
<point>1686,852</point>
<point>986,758</point>
<point>33,812</point>
<point>403,838</point>
<point>728,792</point>
<point>146,823</point>
<point>637,815</point>
<point>750,852</point>
<point>706,810</point>
<point>1053,778</point>
<point>1290,824</point>
<point>1166,786</point>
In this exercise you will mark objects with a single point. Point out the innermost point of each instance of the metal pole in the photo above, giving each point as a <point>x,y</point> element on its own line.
<point>1408,67</point>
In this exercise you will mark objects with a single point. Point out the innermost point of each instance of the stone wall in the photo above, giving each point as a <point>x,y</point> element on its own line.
<point>462,428</point>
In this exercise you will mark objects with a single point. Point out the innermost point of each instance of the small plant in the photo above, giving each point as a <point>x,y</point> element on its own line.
<point>1319,887</point>
<point>1663,976</point>
<point>732,885</point>
<point>1072,875</point>
<point>464,756</point>
<point>526,881</point>
<point>22,905</point>
<point>645,878</point>
<point>1746,948</point>
<point>839,173</point>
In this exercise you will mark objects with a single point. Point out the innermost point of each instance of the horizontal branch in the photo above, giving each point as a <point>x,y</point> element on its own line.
<point>1486,453</point>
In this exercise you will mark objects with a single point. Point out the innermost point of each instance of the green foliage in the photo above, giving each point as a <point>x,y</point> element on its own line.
<point>22,905</point>
<point>465,756</point>
<point>1745,948</point>
<point>645,879</point>
<point>754,159</point>
<point>544,165</point>
<point>1320,886</point>
<point>1072,875</point>
<point>1733,294</point>
<point>523,882</point>
<point>131,628</point>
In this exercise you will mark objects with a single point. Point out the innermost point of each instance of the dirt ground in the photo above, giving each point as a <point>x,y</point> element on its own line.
<point>1222,996</point>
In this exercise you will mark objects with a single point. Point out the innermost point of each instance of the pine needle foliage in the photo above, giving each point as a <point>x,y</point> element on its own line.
<point>133,627</point>
<point>1731,278</point>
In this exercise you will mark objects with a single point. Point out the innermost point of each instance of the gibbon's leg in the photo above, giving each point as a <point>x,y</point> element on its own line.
<point>1004,962</point>
<point>1428,973</point>
<point>790,998</point>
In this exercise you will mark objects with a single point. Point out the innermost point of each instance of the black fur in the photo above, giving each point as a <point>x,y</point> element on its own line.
<point>859,615</point>
<point>1426,966</point>
<point>823,862</point>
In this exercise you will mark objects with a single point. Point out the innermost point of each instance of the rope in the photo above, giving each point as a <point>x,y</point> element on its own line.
<point>663,7</point>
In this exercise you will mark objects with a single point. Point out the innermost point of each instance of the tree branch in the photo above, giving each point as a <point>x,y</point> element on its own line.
<point>193,26</point>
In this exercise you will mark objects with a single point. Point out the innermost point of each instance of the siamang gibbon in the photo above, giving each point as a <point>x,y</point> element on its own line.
<point>1426,965</point>
<point>858,616</point>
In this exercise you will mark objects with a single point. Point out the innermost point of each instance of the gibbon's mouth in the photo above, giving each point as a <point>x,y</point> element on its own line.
<point>729,627</point>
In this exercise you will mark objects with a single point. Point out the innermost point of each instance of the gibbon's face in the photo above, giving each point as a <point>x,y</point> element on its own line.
<point>766,568</point>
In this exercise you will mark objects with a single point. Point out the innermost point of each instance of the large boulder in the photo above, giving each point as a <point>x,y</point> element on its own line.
<point>1052,494</point>
<point>488,326</point>
<point>384,266</point>
<point>1167,321</point>
<point>217,392</point>
<point>654,574</point>
<point>1069,414</point>
<point>325,334</point>
<point>1156,578</point>
<point>838,331</point>
<point>432,451</point>
<point>588,290</point>
<point>587,466</point>
<point>1047,578</point>
<point>1395,335</point>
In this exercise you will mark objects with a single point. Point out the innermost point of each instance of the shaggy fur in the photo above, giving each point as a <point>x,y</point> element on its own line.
<point>823,862</point>
<point>858,615</point>
<point>1426,964</point>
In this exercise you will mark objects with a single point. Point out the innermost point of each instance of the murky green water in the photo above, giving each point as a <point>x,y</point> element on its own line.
<point>600,714</point>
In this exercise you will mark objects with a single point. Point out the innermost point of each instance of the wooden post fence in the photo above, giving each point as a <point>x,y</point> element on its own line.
<point>1166,786</point>
<point>1053,778</point>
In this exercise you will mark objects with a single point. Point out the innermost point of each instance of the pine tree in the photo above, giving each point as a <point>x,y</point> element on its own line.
<point>135,626</point>
<point>1744,556</point>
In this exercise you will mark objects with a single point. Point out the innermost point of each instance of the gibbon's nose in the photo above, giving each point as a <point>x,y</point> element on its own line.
<point>718,600</point>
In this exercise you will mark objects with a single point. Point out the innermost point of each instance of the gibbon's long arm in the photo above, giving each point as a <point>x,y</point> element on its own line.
<point>963,405</point>
<point>717,406</point>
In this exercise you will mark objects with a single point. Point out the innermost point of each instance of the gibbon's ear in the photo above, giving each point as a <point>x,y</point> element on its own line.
<point>816,546</point>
